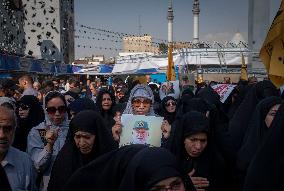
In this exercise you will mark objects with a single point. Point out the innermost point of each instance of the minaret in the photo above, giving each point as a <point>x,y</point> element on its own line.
<point>170,70</point>
<point>196,11</point>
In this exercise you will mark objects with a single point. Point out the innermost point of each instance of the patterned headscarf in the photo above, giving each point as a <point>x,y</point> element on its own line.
<point>140,91</point>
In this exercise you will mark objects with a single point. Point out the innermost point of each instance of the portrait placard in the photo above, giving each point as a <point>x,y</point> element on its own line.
<point>141,129</point>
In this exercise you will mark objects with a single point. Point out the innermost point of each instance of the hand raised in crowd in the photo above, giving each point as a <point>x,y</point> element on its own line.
<point>199,183</point>
<point>166,129</point>
<point>117,128</point>
<point>51,136</point>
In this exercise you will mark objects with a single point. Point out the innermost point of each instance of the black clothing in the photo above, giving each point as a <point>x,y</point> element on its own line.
<point>70,158</point>
<point>4,183</point>
<point>82,104</point>
<point>106,115</point>
<point>239,123</point>
<point>209,164</point>
<point>134,167</point>
<point>170,117</point>
<point>266,169</point>
<point>35,117</point>
<point>255,136</point>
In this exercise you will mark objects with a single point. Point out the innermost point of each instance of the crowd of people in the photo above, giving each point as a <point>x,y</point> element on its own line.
<point>57,135</point>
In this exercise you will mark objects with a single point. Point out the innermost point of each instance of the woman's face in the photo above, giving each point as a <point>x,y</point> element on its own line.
<point>84,141</point>
<point>171,106</point>
<point>56,110</point>
<point>195,144</point>
<point>106,102</point>
<point>172,183</point>
<point>24,111</point>
<point>271,114</point>
<point>141,106</point>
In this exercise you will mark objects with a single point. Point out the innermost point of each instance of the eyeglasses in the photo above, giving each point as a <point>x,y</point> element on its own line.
<point>138,102</point>
<point>52,110</point>
<point>176,185</point>
<point>23,106</point>
<point>173,103</point>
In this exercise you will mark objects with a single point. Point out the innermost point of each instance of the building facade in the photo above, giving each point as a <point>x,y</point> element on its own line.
<point>139,44</point>
<point>41,29</point>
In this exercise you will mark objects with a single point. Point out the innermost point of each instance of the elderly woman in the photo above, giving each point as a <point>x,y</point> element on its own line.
<point>89,139</point>
<point>140,102</point>
<point>46,139</point>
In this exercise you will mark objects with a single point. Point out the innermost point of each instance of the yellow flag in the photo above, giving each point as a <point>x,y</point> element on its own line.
<point>244,72</point>
<point>171,75</point>
<point>272,51</point>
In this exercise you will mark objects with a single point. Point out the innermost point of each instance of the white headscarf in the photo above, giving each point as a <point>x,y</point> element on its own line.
<point>8,100</point>
<point>140,91</point>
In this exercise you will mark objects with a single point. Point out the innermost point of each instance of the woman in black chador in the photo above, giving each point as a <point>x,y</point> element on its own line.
<point>104,105</point>
<point>131,168</point>
<point>191,143</point>
<point>266,169</point>
<point>89,139</point>
<point>30,113</point>
<point>256,134</point>
<point>169,109</point>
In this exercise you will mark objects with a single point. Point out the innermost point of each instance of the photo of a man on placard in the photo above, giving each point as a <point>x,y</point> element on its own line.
<point>140,133</point>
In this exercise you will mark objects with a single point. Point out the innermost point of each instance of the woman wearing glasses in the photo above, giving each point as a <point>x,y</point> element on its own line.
<point>140,102</point>
<point>46,139</point>
<point>30,114</point>
<point>169,108</point>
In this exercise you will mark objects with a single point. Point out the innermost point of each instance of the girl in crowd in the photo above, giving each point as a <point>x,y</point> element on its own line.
<point>191,143</point>
<point>134,167</point>
<point>30,114</point>
<point>46,139</point>
<point>89,140</point>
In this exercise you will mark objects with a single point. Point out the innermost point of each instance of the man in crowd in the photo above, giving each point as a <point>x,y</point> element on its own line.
<point>26,84</point>
<point>17,164</point>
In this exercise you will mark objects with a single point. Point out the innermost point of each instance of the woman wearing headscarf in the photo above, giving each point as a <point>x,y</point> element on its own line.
<point>169,109</point>
<point>266,169</point>
<point>191,144</point>
<point>255,136</point>
<point>46,139</point>
<point>133,167</point>
<point>240,121</point>
<point>104,104</point>
<point>81,104</point>
<point>141,102</point>
<point>89,140</point>
<point>30,114</point>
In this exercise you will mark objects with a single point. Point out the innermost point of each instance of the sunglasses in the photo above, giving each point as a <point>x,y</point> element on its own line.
<point>171,103</point>
<point>23,106</point>
<point>138,102</point>
<point>52,110</point>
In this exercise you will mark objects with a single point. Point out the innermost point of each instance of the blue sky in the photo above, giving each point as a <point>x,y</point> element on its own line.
<point>219,19</point>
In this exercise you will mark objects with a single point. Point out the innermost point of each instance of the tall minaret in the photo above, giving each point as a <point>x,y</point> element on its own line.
<point>170,70</point>
<point>196,11</point>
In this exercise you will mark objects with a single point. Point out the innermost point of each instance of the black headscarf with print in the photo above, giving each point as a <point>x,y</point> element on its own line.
<point>266,169</point>
<point>35,117</point>
<point>170,117</point>
<point>69,158</point>
<point>134,167</point>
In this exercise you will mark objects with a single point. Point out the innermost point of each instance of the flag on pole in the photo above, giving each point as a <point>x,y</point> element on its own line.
<point>244,72</point>
<point>171,75</point>
<point>272,51</point>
